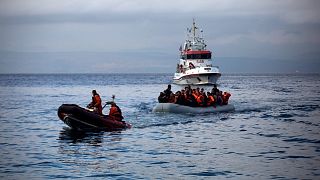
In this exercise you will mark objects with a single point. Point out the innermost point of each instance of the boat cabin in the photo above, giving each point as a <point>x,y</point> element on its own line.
<point>196,55</point>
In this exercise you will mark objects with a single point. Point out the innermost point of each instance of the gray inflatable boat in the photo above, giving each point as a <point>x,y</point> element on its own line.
<point>176,108</point>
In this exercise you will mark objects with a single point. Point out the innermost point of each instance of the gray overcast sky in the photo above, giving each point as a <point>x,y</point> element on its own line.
<point>102,36</point>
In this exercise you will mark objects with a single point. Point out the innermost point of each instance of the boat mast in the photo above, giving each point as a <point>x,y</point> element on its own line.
<point>194,31</point>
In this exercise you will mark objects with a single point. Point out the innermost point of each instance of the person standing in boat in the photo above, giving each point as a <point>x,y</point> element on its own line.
<point>168,92</point>
<point>96,103</point>
<point>215,90</point>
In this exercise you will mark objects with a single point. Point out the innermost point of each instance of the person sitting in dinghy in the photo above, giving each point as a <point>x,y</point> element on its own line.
<point>171,99</point>
<point>190,99</point>
<point>95,103</point>
<point>168,91</point>
<point>219,98</point>
<point>180,97</point>
<point>166,96</point>
<point>162,98</point>
<point>210,100</point>
<point>115,112</point>
<point>225,98</point>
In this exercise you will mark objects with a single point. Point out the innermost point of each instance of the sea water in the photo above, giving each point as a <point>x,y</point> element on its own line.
<point>273,133</point>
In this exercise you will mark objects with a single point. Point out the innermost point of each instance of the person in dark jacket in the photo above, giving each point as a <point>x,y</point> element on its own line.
<point>168,91</point>
<point>162,98</point>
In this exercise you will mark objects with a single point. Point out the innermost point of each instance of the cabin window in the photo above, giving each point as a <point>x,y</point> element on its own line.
<point>197,56</point>
<point>184,56</point>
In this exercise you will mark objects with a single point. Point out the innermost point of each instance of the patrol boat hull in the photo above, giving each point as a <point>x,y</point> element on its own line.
<point>79,118</point>
<point>197,79</point>
<point>176,108</point>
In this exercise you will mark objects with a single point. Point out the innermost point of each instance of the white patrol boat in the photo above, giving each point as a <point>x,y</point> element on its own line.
<point>195,66</point>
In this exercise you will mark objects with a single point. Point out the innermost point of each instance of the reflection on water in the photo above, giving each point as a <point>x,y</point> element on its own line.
<point>93,138</point>
<point>68,135</point>
<point>88,149</point>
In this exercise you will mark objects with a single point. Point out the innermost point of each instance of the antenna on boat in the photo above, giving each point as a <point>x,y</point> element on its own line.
<point>194,29</point>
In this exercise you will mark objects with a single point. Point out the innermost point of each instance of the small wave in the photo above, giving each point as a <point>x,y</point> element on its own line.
<point>250,109</point>
<point>235,87</point>
<point>159,162</point>
<point>163,124</point>
<point>306,108</point>
<point>272,152</point>
<point>284,115</point>
<point>60,176</point>
<point>144,107</point>
<point>39,164</point>
<point>210,173</point>
<point>307,123</point>
<point>265,116</point>
<point>278,177</point>
<point>269,135</point>
<point>296,157</point>
<point>105,175</point>
<point>289,120</point>
<point>302,140</point>
<point>167,119</point>
<point>284,90</point>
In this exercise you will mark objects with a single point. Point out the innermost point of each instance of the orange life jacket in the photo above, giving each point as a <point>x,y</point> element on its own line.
<point>210,100</point>
<point>225,98</point>
<point>200,100</point>
<point>97,103</point>
<point>115,114</point>
<point>97,100</point>
<point>195,96</point>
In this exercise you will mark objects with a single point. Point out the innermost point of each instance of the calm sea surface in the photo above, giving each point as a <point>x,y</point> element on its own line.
<point>273,134</point>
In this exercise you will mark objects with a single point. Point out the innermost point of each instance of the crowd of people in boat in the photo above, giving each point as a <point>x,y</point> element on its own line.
<point>195,97</point>
<point>96,104</point>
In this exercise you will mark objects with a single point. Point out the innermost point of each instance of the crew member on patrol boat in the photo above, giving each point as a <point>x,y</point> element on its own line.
<point>96,103</point>
<point>115,112</point>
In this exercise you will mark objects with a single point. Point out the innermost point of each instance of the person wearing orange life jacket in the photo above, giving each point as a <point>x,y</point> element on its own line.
<point>115,112</point>
<point>195,97</point>
<point>211,100</point>
<point>190,100</point>
<point>225,98</point>
<point>200,100</point>
<point>96,103</point>
<point>205,99</point>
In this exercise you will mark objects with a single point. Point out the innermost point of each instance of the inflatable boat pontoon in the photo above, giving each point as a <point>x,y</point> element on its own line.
<point>77,117</point>
<point>176,108</point>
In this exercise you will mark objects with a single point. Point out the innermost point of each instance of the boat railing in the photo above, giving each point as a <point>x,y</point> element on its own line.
<point>197,68</point>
